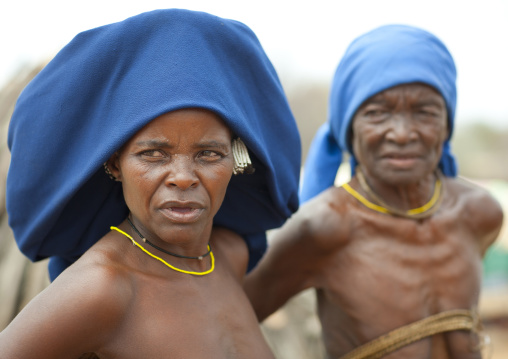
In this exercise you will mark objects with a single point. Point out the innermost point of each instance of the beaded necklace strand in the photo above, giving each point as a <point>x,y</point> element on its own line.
<point>416,213</point>
<point>166,263</point>
<point>143,238</point>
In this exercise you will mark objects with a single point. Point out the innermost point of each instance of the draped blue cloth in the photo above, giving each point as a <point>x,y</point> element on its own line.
<point>109,82</point>
<point>387,56</point>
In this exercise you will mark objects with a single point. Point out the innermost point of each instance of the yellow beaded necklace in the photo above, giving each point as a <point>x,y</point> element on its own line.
<point>212,259</point>
<point>416,213</point>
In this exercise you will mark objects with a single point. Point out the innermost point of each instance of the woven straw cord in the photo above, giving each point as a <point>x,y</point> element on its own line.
<point>459,319</point>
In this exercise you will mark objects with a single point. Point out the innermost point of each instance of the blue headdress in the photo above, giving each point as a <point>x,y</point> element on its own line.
<point>109,82</point>
<point>382,58</point>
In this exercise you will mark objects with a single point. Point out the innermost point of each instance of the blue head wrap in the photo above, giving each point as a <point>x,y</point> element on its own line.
<point>108,83</point>
<point>382,58</point>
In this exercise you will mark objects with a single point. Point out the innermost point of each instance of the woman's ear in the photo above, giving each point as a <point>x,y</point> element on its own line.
<point>112,168</point>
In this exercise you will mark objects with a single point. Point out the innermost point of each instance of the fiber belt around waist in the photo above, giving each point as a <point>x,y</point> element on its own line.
<point>458,319</point>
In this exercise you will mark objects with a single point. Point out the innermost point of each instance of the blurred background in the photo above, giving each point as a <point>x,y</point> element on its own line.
<point>305,41</point>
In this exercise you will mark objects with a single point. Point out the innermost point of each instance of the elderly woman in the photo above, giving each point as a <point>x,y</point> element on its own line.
<point>146,162</point>
<point>395,254</point>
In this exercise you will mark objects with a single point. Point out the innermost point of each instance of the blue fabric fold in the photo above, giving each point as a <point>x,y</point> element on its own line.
<point>325,156</point>
<point>387,56</point>
<point>109,82</point>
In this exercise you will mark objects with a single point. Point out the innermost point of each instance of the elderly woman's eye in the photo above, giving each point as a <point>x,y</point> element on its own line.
<point>375,112</point>
<point>426,112</point>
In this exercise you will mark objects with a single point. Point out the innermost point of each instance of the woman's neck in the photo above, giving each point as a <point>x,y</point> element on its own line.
<point>402,196</point>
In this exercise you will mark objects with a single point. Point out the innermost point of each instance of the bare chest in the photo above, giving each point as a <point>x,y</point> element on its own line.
<point>433,263</point>
<point>189,320</point>
<point>393,273</point>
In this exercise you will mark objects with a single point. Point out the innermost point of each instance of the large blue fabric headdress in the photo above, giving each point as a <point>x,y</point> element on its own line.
<point>109,82</point>
<point>382,58</point>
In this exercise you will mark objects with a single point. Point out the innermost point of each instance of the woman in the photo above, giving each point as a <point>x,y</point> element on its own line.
<point>124,149</point>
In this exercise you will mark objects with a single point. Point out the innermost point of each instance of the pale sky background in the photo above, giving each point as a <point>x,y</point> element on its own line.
<point>304,39</point>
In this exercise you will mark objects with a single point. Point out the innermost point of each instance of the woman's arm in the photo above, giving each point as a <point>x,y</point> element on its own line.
<point>75,314</point>
<point>295,259</point>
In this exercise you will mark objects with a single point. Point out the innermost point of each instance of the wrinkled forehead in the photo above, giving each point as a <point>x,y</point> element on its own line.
<point>417,92</point>
<point>185,121</point>
<point>414,91</point>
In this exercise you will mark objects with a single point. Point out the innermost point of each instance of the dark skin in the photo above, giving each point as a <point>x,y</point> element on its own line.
<point>119,302</point>
<point>375,272</point>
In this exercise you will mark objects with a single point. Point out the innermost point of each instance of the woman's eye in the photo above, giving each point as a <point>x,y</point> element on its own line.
<point>210,155</point>
<point>373,113</point>
<point>427,114</point>
<point>153,154</point>
<point>376,115</point>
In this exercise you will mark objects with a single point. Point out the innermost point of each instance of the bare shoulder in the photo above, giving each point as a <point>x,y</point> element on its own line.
<point>103,270</point>
<point>232,250</point>
<point>92,293</point>
<point>476,200</point>
<point>481,210</point>
<point>321,222</point>
<point>299,252</point>
<point>101,287</point>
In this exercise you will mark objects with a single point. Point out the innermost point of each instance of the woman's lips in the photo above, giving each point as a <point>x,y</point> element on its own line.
<point>402,162</point>
<point>182,213</point>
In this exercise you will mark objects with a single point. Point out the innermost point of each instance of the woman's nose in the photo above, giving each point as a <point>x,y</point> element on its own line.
<point>401,129</point>
<point>182,173</point>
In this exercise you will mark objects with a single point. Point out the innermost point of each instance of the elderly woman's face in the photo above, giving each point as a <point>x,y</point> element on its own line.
<point>175,172</point>
<point>398,134</point>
